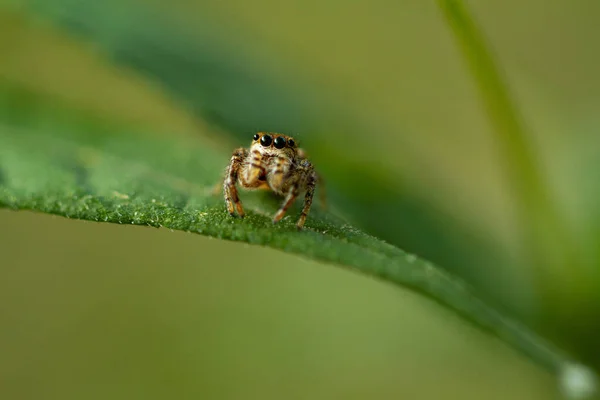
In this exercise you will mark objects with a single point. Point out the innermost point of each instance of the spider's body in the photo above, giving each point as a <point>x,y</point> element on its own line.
<point>273,162</point>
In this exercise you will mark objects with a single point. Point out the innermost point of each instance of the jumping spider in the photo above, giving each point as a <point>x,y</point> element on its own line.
<point>273,162</point>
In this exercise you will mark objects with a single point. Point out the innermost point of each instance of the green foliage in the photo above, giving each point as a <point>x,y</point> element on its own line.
<point>87,169</point>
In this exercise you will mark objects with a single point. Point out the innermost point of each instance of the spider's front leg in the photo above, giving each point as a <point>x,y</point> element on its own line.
<point>232,199</point>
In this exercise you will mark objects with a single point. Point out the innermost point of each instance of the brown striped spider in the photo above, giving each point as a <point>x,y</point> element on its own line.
<point>273,162</point>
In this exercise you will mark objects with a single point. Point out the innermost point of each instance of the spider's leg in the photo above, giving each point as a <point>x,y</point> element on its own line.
<point>229,185</point>
<point>289,200</point>
<point>308,198</point>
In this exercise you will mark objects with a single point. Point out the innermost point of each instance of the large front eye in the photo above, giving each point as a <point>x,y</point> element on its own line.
<point>266,140</point>
<point>256,136</point>
<point>279,142</point>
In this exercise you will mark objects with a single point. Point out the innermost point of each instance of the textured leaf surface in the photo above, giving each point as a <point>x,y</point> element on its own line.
<point>86,170</point>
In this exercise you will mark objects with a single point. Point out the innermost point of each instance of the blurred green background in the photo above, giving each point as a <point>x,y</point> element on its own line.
<point>381,98</point>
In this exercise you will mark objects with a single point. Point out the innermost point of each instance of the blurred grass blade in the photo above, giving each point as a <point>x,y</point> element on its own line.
<point>546,235</point>
<point>81,168</point>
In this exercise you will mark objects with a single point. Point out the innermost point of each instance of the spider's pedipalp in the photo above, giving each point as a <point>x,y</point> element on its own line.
<point>253,168</point>
<point>280,172</point>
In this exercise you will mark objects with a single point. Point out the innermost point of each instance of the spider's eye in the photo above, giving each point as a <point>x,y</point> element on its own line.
<point>291,142</point>
<point>266,140</point>
<point>256,136</point>
<point>279,142</point>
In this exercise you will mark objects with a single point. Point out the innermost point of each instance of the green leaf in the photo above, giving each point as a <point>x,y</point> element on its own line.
<point>87,169</point>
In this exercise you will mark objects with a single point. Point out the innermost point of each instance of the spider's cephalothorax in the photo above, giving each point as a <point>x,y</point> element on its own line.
<point>273,162</point>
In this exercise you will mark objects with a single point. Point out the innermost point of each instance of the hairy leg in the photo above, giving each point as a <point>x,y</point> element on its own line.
<point>232,198</point>
<point>308,198</point>
<point>289,200</point>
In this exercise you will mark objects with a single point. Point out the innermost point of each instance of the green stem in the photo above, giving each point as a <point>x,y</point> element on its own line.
<point>545,234</point>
